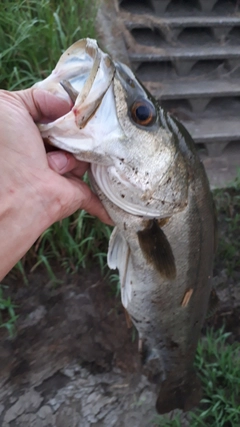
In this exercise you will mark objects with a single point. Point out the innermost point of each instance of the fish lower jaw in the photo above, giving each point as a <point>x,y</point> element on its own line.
<point>101,177</point>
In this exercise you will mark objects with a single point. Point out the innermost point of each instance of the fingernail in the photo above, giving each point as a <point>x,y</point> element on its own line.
<point>57,160</point>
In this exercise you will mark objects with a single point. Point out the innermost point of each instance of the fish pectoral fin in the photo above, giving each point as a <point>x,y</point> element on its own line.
<point>157,250</point>
<point>119,257</point>
<point>115,248</point>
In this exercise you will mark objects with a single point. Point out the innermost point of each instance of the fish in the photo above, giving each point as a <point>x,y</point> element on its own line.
<point>145,169</point>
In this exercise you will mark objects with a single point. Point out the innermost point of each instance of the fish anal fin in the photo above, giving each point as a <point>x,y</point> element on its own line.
<point>157,250</point>
<point>183,395</point>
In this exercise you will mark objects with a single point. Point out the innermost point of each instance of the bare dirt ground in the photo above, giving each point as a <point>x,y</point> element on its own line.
<point>74,361</point>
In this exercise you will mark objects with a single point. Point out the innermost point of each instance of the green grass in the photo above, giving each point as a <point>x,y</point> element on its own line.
<point>218,364</point>
<point>164,421</point>
<point>228,208</point>
<point>8,316</point>
<point>33,35</point>
<point>77,241</point>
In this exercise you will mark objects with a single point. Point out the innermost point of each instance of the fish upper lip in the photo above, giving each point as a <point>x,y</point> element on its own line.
<point>82,76</point>
<point>83,108</point>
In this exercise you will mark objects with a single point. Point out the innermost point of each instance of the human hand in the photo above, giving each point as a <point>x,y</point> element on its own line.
<point>33,192</point>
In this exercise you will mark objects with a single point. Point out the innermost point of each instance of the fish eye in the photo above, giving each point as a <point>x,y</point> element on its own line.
<point>143,112</point>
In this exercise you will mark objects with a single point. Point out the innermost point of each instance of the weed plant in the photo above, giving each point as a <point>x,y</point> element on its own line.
<point>8,316</point>
<point>34,33</point>
<point>228,208</point>
<point>218,365</point>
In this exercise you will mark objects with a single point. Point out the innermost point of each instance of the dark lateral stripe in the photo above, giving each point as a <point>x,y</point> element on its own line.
<point>157,250</point>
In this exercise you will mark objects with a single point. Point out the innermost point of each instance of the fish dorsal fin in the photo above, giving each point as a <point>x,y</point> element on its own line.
<point>119,256</point>
<point>157,250</point>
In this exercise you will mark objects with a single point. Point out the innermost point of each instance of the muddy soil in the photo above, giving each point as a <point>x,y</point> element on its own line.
<point>74,361</point>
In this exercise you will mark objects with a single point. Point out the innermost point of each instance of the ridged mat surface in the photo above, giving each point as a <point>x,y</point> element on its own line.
<point>187,53</point>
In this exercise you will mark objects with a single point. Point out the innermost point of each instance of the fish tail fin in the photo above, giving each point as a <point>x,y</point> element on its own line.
<point>183,394</point>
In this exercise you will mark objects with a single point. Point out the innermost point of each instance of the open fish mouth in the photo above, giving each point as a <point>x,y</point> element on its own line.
<point>83,88</point>
<point>103,129</point>
<point>82,76</point>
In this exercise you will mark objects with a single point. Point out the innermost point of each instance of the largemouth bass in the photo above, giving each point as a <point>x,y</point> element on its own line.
<point>145,170</point>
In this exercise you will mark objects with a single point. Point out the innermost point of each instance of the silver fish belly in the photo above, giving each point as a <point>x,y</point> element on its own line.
<point>145,169</point>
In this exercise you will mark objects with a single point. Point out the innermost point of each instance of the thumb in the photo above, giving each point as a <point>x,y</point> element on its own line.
<point>43,105</point>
